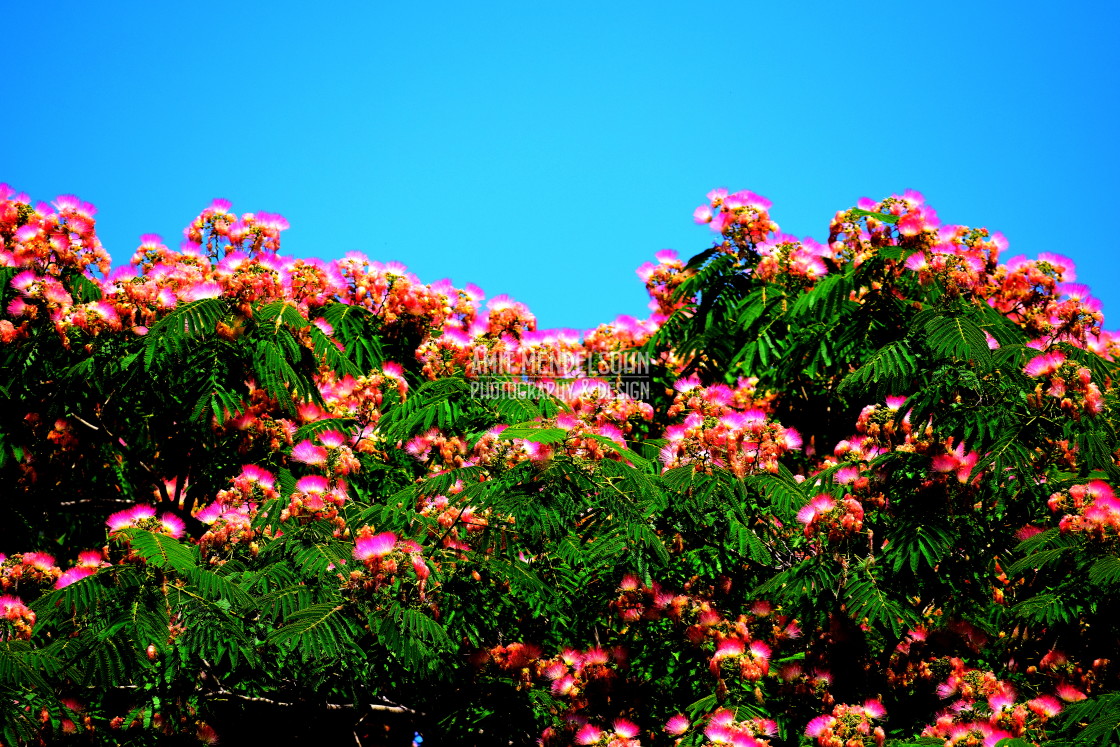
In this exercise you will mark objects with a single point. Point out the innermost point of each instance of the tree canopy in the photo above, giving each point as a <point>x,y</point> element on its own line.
<point>859,492</point>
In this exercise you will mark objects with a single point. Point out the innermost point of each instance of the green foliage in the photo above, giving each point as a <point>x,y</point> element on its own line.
<point>490,568</point>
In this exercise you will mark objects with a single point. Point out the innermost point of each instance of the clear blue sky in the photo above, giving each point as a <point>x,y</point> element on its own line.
<point>545,150</point>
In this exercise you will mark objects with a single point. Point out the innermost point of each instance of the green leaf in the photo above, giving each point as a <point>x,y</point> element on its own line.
<point>533,432</point>
<point>882,217</point>
<point>890,369</point>
<point>161,550</point>
<point>1106,571</point>
<point>748,544</point>
<point>957,337</point>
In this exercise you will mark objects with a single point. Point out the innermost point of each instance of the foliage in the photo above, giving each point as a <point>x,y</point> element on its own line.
<point>851,493</point>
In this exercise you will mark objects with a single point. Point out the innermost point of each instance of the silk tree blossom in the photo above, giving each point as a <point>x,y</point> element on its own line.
<point>677,725</point>
<point>308,453</point>
<point>77,573</point>
<point>89,562</point>
<point>786,259</point>
<point>1066,381</point>
<point>1094,510</point>
<point>333,453</point>
<point>662,280</point>
<point>17,620</point>
<point>849,726</point>
<point>987,709</point>
<point>956,460</point>
<point>316,498</point>
<point>143,516</point>
<point>201,291</point>
<point>375,547</point>
<point>724,728</point>
<point>1045,364</point>
<point>28,571</point>
<point>734,655</point>
<point>742,442</point>
<point>623,733</point>
<point>1045,706</point>
<point>825,516</point>
<point>741,217</point>
<point>383,558</point>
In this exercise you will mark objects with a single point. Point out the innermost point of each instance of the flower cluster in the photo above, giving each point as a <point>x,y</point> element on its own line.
<point>316,498</point>
<point>986,709</point>
<point>17,620</point>
<point>798,263</point>
<point>743,218</point>
<point>717,433</point>
<point>662,281</point>
<point>384,557</point>
<point>143,516</point>
<point>1093,510</point>
<point>57,235</point>
<point>622,733</point>
<point>29,571</point>
<point>333,454</point>
<point>828,517</point>
<point>1067,382</point>
<point>724,728</point>
<point>849,726</point>
<point>229,518</point>
<point>216,227</point>
<point>741,648</point>
<point>88,563</point>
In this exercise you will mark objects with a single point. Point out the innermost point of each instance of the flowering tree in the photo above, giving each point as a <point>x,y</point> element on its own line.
<point>851,493</point>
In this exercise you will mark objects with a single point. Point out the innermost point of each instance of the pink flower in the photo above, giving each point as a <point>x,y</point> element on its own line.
<point>309,453</point>
<point>420,567</point>
<point>822,504</point>
<point>313,484</point>
<point>1069,693</point>
<point>39,560</point>
<point>129,516</point>
<point>1063,265</point>
<point>718,733</point>
<point>90,558</point>
<point>817,726</point>
<point>627,729</point>
<point>77,573</point>
<point>377,546</point>
<point>200,291</point>
<point>874,709</point>
<point>760,650</point>
<point>172,525</point>
<point>588,735</point>
<point>1045,706</point>
<point>677,725</point>
<point>1045,364</point>
<point>211,513</point>
<point>332,439</point>
<point>258,475</point>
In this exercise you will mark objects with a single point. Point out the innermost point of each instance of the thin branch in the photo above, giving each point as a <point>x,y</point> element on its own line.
<point>111,438</point>
<point>387,707</point>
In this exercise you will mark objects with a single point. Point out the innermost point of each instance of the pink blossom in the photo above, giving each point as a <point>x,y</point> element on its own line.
<point>817,726</point>
<point>377,546</point>
<point>1045,364</point>
<point>309,453</point>
<point>677,725</point>
<point>625,728</point>
<point>76,573</point>
<point>588,735</point>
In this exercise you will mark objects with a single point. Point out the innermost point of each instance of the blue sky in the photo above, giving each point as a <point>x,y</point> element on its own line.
<point>545,150</point>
